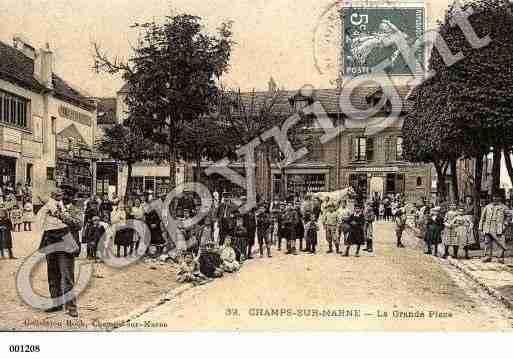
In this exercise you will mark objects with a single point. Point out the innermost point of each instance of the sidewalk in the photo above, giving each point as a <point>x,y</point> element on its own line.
<point>495,278</point>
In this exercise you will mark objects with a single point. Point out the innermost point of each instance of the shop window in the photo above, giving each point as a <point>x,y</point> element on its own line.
<point>50,173</point>
<point>359,149</point>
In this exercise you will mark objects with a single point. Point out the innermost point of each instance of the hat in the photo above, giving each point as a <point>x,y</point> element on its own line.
<point>57,192</point>
<point>96,218</point>
<point>435,209</point>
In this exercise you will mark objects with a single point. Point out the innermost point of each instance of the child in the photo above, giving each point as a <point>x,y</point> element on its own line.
<point>5,234</point>
<point>17,218</point>
<point>228,256</point>
<point>94,233</point>
<point>434,228</point>
<point>311,234</point>
<point>28,216</point>
<point>189,272</point>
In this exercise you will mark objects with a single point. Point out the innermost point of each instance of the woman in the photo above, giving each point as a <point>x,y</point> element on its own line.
<point>122,236</point>
<point>466,230</point>
<point>434,228</point>
<point>28,216</point>
<point>356,235</point>
<point>136,213</point>
<point>5,234</point>
<point>450,235</point>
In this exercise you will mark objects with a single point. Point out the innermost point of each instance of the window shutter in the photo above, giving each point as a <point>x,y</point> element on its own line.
<point>393,149</point>
<point>370,149</point>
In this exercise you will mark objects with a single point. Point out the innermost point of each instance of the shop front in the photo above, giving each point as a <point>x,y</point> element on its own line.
<point>7,171</point>
<point>370,182</point>
<point>299,181</point>
<point>74,172</point>
<point>106,178</point>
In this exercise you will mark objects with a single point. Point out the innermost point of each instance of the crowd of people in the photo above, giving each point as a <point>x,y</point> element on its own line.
<point>16,215</point>
<point>225,237</point>
<point>454,227</point>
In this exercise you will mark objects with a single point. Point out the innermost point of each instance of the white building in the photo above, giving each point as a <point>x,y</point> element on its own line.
<point>47,127</point>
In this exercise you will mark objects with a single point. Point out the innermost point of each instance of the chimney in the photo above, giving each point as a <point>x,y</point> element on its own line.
<point>272,85</point>
<point>22,44</point>
<point>43,66</point>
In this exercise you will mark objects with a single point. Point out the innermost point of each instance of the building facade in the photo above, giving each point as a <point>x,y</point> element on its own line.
<point>47,127</point>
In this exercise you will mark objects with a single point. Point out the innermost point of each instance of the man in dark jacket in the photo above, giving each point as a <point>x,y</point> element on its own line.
<point>249,222</point>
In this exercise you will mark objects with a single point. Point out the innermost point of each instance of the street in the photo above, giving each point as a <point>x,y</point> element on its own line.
<point>393,290</point>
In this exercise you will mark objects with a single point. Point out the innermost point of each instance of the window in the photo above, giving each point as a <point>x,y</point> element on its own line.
<point>13,110</point>
<point>359,149</point>
<point>419,181</point>
<point>399,148</point>
<point>54,125</point>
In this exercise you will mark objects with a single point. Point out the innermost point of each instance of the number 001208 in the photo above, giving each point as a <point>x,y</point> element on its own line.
<point>24,348</point>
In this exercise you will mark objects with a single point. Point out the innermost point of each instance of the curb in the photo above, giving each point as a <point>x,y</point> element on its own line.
<point>173,293</point>
<point>493,292</point>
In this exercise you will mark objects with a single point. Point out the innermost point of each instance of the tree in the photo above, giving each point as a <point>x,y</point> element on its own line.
<point>250,115</point>
<point>207,139</point>
<point>171,77</point>
<point>127,145</point>
<point>469,102</point>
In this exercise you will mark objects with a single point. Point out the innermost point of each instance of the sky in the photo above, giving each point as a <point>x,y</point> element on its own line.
<point>274,38</point>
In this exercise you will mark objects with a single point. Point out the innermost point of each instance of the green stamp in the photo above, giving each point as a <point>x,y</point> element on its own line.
<point>372,35</point>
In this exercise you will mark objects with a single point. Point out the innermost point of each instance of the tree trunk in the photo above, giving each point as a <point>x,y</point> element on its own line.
<point>172,158</point>
<point>454,180</point>
<point>128,182</point>
<point>509,166</point>
<point>441,188</point>
<point>496,170</point>
<point>478,179</point>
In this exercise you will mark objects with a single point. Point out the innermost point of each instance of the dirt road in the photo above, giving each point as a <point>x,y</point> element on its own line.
<point>394,289</point>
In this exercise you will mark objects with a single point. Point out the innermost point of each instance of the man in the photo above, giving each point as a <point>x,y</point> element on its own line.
<point>330,221</point>
<point>491,226</point>
<point>226,218</point>
<point>263,230</point>
<point>60,264</point>
<point>289,221</point>
<point>343,214</point>
<point>400,226</point>
<point>370,217</point>
<point>249,222</point>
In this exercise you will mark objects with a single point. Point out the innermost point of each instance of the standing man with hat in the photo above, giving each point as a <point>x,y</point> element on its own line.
<point>491,226</point>
<point>61,265</point>
<point>249,222</point>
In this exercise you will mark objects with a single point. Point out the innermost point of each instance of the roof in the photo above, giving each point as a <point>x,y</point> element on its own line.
<point>106,111</point>
<point>66,92</point>
<point>18,68</point>
<point>360,98</point>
